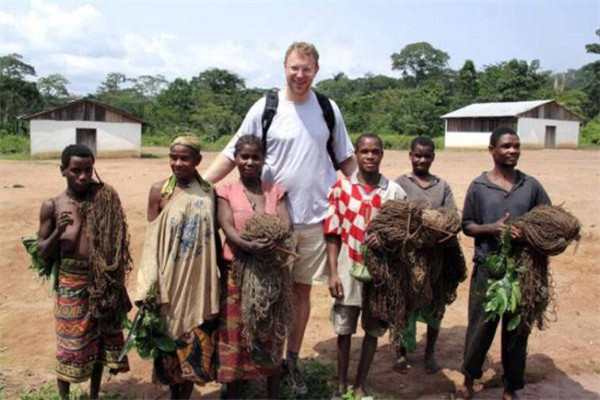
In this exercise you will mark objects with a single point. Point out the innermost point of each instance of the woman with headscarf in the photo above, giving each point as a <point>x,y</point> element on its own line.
<point>179,269</point>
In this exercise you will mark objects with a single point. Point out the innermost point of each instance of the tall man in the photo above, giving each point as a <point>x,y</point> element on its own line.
<point>492,201</point>
<point>297,158</point>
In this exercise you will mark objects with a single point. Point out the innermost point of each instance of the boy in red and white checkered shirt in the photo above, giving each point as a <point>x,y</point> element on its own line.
<point>353,202</point>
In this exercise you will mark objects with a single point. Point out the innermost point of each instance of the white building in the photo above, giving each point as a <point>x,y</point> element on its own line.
<point>106,130</point>
<point>539,124</point>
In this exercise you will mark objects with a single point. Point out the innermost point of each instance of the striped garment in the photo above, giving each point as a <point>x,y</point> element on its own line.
<point>80,343</point>
<point>237,360</point>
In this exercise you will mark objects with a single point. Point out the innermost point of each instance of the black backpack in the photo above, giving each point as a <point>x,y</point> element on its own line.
<point>272,101</point>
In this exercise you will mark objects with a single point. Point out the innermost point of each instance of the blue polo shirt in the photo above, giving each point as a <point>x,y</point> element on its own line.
<point>487,202</point>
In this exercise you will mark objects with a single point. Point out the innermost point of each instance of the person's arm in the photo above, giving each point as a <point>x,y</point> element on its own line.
<point>348,166</point>
<point>282,211</point>
<point>333,251</point>
<point>154,201</point>
<point>50,230</point>
<point>492,229</point>
<point>219,169</point>
<point>225,217</point>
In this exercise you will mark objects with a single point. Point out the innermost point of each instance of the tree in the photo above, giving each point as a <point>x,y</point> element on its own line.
<point>420,60</point>
<point>17,95</point>
<point>513,80</point>
<point>12,66</point>
<point>467,85</point>
<point>594,47</point>
<point>218,81</point>
<point>53,89</point>
<point>149,86</point>
<point>112,83</point>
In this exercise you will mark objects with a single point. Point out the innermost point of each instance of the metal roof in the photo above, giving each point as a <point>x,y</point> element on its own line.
<point>84,99</point>
<point>501,109</point>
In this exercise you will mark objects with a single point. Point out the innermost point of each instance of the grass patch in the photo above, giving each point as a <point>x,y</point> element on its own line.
<point>50,392</point>
<point>319,379</point>
<point>589,135</point>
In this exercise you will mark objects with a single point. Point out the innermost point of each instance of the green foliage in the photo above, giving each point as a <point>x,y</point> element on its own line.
<point>319,379</point>
<point>14,144</point>
<point>589,135</point>
<point>150,336</point>
<point>50,392</point>
<point>514,80</point>
<point>420,60</point>
<point>594,48</point>
<point>503,293</point>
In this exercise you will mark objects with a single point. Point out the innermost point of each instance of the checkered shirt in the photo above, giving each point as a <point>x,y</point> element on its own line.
<point>351,209</point>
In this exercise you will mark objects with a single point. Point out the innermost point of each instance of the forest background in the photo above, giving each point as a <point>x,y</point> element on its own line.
<point>213,103</point>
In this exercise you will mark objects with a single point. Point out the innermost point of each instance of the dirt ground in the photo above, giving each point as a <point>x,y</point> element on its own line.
<point>563,361</point>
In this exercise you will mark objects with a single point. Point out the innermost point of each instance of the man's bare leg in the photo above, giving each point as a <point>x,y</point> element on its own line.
<point>273,382</point>
<point>431,365</point>
<point>302,303</point>
<point>369,346</point>
<point>401,363</point>
<point>186,389</point>
<point>96,380</point>
<point>343,359</point>
<point>63,388</point>
<point>466,391</point>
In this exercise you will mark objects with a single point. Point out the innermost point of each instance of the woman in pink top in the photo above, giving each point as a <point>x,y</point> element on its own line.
<point>237,202</point>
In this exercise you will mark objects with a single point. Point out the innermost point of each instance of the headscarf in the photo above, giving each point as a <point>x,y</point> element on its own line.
<point>192,142</point>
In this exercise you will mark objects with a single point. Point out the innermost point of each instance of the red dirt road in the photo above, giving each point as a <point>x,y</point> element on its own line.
<point>563,361</point>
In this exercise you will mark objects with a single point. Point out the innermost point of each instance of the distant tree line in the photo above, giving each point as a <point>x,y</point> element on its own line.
<point>213,103</point>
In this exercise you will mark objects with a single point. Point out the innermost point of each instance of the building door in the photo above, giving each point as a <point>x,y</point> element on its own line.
<point>86,137</point>
<point>550,141</point>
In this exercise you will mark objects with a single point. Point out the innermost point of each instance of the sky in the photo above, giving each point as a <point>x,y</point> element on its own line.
<point>86,40</point>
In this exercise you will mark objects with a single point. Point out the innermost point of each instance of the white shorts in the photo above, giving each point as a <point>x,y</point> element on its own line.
<point>311,267</point>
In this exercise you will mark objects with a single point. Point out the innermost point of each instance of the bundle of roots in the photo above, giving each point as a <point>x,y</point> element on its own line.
<point>547,231</point>
<point>109,254</point>
<point>264,282</point>
<point>419,263</point>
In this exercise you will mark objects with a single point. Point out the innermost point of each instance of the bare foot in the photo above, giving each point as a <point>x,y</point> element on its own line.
<point>361,393</point>
<point>401,366</point>
<point>431,366</point>
<point>466,391</point>
<point>508,395</point>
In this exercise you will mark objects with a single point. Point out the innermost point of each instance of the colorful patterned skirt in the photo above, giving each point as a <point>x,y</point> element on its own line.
<point>236,360</point>
<point>80,343</point>
<point>192,361</point>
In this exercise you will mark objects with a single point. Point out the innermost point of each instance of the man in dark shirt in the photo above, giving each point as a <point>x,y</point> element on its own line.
<point>492,201</point>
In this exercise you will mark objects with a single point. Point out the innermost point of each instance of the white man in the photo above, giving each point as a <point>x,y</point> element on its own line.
<point>298,159</point>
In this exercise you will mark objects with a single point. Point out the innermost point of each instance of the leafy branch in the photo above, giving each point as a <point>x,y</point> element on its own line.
<point>503,293</point>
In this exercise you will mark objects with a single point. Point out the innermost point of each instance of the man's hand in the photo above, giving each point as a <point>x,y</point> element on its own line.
<point>335,286</point>
<point>516,234</point>
<point>373,242</point>
<point>63,221</point>
<point>498,226</point>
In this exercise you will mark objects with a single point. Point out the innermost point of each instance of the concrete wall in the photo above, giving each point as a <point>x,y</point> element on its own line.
<point>532,132</point>
<point>473,140</point>
<point>113,139</point>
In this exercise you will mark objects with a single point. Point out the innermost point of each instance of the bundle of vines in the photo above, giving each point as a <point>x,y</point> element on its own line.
<point>522,280</point>
<point>419,263</point>
<point>264,281</point>
<point>109,253</point>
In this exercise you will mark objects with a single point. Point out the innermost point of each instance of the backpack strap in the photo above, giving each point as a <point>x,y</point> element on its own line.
<point>329,117</point>
<point>271,103</point>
